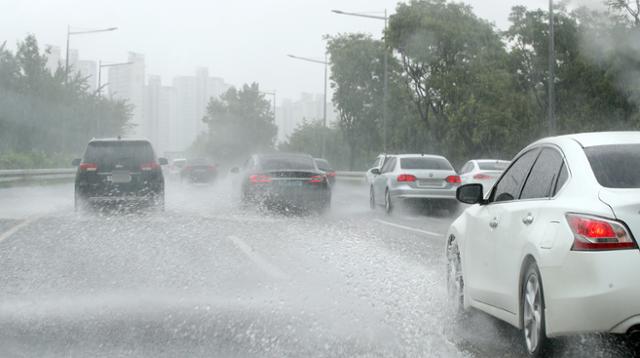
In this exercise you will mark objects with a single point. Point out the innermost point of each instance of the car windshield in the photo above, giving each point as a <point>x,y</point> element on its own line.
<point>493,165</point>
<point>616,166</point>
<point>109,153</point>
<point>425,163</point>
<point>287,162</point>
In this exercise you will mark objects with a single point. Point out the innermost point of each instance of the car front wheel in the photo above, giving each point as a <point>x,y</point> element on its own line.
<point>533,319</point>
<point>455,280</point>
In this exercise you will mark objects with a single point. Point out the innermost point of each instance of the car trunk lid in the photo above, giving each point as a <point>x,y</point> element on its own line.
<point>625,204</point>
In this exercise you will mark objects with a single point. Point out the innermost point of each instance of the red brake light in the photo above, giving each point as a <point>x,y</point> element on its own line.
<point>259,178</point>
<point>150,166</point>
<point>481,176</point>
<point>317,179</point>
<point>406,178</point>
<point>89,167</point>
<point>595,234</point>
<point>454,179</point>
<point>331,174</point>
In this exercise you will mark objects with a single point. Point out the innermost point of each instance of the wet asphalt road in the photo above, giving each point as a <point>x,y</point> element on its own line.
<point>211,278</point>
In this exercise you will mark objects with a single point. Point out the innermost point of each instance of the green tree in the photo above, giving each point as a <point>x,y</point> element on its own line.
<point>41,112</point>
<point>357,81</point>
<point>240,122</point>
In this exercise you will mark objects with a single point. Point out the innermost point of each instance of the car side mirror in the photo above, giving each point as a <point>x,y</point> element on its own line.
<point>375,171</point>
<point>235,170</point>
<point>76,162</point>
<point>163,161</point>
<point>470,194</point>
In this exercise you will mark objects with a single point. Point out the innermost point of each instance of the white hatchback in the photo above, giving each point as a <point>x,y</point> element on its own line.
<point>551,249</point>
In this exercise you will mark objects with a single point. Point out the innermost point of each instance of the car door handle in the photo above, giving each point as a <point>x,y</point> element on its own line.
<point>493,223</point>
<point>528,220</point>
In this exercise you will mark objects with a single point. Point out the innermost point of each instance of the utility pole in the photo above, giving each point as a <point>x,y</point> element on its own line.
<point>69,33</point>
<point>324,116</point>
<point>552,72</point>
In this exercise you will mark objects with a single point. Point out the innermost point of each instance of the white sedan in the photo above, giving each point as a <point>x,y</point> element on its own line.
<point>551,249</point>
<point>483,171</point>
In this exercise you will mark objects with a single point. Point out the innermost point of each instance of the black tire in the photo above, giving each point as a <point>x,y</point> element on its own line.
<point>455,280</point>
<point>533,318</point>
<point>80,203</point>
<point>372,199</point>
<point>388,203</point>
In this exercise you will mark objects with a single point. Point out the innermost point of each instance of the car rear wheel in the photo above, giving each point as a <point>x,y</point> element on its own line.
<point>388,205</point>
<point>80,203</point>
<point>455,280</point>
<point>533,319</point>
<point>372,199</point>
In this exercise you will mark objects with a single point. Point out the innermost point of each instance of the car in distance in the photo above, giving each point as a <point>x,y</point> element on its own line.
<point>552,248</point>
<point>119,171</point>
<point>175,168</point>
<point>285,180</point>
<point>429,178</point>
<point>324,166</point>
<point>199,171</point>
<point>483,171</point>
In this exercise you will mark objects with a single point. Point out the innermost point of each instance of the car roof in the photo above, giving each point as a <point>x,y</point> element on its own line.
<point>401,156</point>
<point>597,138</point>
<point>489,160</point>
<point>278,154</point>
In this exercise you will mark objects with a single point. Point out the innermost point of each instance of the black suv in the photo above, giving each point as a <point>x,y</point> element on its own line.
<point>119,171</point>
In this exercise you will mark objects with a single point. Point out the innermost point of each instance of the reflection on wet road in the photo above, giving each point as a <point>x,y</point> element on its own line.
<point>210,277</point>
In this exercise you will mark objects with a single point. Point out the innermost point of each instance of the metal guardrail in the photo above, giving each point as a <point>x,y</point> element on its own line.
<point>17,175</point>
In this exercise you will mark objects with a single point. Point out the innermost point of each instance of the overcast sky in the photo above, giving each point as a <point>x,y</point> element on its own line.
<point>240,40</point>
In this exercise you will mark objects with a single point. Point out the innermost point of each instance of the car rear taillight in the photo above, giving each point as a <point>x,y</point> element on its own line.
<point>481,176</point>
<point>454,179</point>
<point>331,174</point>
<point>259,178</point>
<point>88,167</point>
<point>317,179</point>
<point>406,178</point>
<point>149,166</point>
<point>597,234</point>
<point>211,167</point>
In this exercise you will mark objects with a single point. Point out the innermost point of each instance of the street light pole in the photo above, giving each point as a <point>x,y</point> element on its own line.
<point>101,66</point>
<point>99,88</point>
<point>324,115</point>
<point>69,33</point>
<point>552,72</point>
<point>385,90</point>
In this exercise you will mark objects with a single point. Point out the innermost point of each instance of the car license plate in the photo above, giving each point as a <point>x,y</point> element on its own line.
<point>120,177</point>
<point>430,182</point>
<point>291,183</point>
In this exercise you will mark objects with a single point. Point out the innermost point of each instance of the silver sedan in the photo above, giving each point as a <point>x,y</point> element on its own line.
<point>428,178</point>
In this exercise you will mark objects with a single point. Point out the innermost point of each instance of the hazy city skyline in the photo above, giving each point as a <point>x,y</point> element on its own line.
<point>176,38</point>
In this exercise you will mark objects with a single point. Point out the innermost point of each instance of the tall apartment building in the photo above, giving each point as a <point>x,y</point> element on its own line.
<point>128,82</point>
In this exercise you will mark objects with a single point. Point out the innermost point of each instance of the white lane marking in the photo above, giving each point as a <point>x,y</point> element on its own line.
<point>14,229</point>
<point>409,228</point>
<point>267,267</point>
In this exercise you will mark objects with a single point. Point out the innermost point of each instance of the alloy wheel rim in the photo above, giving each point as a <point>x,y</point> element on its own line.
<point>532,313</point>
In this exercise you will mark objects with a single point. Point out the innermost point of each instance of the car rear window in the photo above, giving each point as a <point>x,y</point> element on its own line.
<point>616,166</point>
<point>493,165</point>
<point>323,165</point>
<point>425,163</point>
<point>287,163</point>
<point>124,152</point>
